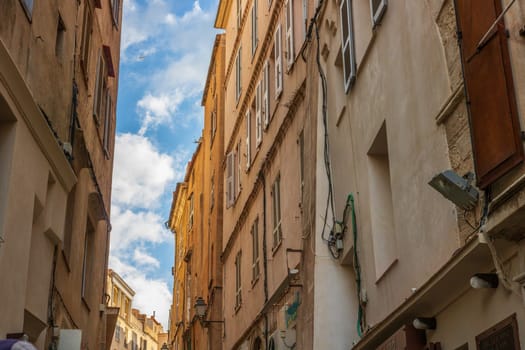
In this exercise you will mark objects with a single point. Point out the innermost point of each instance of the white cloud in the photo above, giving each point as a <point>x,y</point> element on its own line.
<point>150,294</point>
<point>144,259</point>
<point>131,227</point>
<point>141,172</point>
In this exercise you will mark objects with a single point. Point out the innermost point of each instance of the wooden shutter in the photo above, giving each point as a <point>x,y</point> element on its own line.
<point>490,91</point>
<point>258,117</point>
<point>265,99</point>
<point>289,33</point>
<point>278,63</point>
<point>229,178</point>
<point>248,139</point>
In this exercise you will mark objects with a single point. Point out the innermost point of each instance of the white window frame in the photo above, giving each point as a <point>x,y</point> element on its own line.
<point>237,163</point>
<point>107,121</point>
<point>248,116</point>
<point>278,62</point>
<point>238,85</point>
<point>347,45</point>
<point>98,95</point>
<point>276,212</point>
<point>255,39</point>
<point>238,280</point>
<point>290,54</point>
<point>377,15</point>
<point>265,95</point>
<point>258,114</point>
<point>190,217</point>
<point>230,179</point>
<point>115,11</point>
<point>239,14</point>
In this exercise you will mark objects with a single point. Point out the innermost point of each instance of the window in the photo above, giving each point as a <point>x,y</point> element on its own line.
<point>100,88</point>
<point>115,10</point>
<point>87,28</point>
<point>190,219</point>
<point>248,139</point>
<point>254,27</point>
<point>265,107</point>
<point>230,179</point>
<point>305,18</point>
<point>239,168</point>
<point>238,286</point>
<point>377,9</point>
<point>258,114</point>
<point>28,7</point>
<point>347,37</point>
<point>276,212</point>
<point>214,119</point>
<point>255,250</point>
<point>238,87</point>
<point>278,62</point>
<point>381,205</point>
<point>134,341</point>
<point>107,121</point>
<point>117,333</point>
<point>212,192</point>
<point>233,173</point>
<point>59,40</point>
<point>290,55</point>
<point>87,262</point>
<point>239,14</point>
<point>503,335</point>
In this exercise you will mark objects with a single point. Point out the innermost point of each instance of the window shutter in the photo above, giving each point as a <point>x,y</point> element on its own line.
<point>278,63</point>
<point>229,178</point>
<point>254,27</point>
<point>492,106</point>
<point>347,38</point>
<point>290,55</point>
<point>248,139</point>
<point>265,99</point>
<point>258,120</point>
<point>238,184</point>
<point>107,120</point>
<point>377,9</point>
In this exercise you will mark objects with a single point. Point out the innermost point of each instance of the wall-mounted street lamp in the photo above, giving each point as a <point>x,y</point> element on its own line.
<point>456,189</point>
<point>424,323</point>
<point>201,308</point>
<point>484,280</point>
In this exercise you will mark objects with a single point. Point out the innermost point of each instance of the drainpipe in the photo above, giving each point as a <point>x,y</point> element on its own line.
<point>265,256</point>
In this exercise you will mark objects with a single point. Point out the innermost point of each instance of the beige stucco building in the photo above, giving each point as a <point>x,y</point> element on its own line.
<point>196,221</point>
<point>58,90</point>
<point>396,117</point>
<point>133,330</point>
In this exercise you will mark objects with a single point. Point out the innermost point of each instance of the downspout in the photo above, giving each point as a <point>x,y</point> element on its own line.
<point>265,257</point>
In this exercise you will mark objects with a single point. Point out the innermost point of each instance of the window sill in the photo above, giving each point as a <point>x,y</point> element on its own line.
<point>237,308</point>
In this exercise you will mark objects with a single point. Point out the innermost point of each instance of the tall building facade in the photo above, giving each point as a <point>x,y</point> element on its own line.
<point>196,221</point>
<point>133,330</point>
<point>406,92</point>
<point>58,80</point>
<point>265,109</point>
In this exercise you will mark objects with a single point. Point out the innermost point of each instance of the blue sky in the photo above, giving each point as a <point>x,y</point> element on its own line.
<point>165,53</point>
